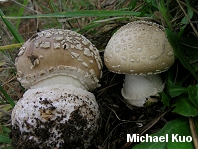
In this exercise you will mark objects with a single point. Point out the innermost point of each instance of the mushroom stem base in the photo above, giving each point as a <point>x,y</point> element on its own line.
<point>137,89</point>
<point>56,116</point>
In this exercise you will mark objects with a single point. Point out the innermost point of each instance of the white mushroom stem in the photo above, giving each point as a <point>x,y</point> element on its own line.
<point>137,89</point>
<point>64,80</point>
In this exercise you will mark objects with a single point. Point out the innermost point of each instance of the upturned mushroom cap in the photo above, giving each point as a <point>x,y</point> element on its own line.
<point>139,47</point>
<point>58,52</point>
<point>56,116</point>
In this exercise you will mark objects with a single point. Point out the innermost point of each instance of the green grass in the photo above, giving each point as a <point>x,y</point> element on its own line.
<point>99,21</point>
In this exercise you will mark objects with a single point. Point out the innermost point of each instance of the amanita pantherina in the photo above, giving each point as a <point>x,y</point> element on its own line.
<point>58,56</point>
<point>59,68</point>
<point>140,50</point>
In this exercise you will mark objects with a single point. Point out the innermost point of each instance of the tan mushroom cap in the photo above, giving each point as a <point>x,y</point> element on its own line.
<point>57,52</point>
<point>139,47</point>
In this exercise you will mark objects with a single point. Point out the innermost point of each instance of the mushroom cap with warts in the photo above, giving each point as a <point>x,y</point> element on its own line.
<point>139,47</point>
<point>58,52</point>
<point>56,116</point>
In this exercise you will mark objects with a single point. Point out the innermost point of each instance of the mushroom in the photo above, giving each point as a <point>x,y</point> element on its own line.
<point>58,56</point>
<point>58,68</point>
<point>56,116</point>
<point>140,50</point>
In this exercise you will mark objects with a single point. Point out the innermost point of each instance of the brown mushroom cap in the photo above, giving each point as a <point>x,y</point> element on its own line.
<point>58,52</point>
<point>139,47</point>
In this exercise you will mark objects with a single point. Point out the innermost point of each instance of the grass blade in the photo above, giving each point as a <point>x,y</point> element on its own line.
<point>52,6</point>
<point>8,98</point>
<point>11,46</point>
<point>5,139</point>
<point>84,13</point>
<point>11,28</point>
<point>21,13</point>
<point>179,51</point>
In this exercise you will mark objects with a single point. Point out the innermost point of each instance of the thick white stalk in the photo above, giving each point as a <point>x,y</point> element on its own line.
<point>136,88</point>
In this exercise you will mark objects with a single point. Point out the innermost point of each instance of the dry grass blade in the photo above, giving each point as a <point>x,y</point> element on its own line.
<point>147,127</point>
<point>5,37</point>
<point>11,46</point>
<point>110,134</point>
<point>186,15</point>
<point>9,85</point>
<point>21,5</point>
<point>193,132</point>
<point>104,89</point>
